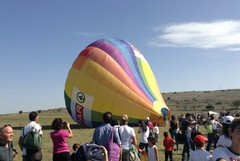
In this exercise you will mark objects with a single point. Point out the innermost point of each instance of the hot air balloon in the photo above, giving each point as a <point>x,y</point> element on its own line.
<point>112,75</point>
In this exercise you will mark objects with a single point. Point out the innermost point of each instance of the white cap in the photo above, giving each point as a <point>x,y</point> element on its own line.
<point>147,118</point>
<point>227,119</point>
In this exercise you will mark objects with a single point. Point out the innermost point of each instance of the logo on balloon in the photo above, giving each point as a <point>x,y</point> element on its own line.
<point>79,114</point>
<point>81,97</point>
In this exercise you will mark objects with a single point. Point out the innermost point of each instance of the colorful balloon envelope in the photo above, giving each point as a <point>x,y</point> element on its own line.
<point>112,75</point>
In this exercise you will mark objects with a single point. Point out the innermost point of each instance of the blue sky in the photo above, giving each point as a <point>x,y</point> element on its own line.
<point>190,45</point>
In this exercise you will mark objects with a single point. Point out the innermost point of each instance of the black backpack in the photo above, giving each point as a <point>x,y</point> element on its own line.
<point>89,152</point>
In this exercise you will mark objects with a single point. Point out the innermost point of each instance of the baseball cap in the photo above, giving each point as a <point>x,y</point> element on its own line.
<point>199,139</point>
<point>227,119</point>
<point>147,118</point>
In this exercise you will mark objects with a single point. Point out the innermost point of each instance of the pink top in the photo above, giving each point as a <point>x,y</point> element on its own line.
<point>60,144</point>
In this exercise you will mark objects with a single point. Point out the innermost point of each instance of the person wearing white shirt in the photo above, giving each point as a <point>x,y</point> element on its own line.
<point>155,131</point>
<point>231,153</point>
<point>144,134</point>
<point>200,154</point>
<point>28,154</point>
<point>224,139</point>
<point>128,139</point>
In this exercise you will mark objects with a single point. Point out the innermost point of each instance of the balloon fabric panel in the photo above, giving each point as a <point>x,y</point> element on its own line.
<point>112,75</point>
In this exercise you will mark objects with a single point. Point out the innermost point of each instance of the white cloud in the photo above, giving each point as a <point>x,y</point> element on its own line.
<point>233,49</point>
<point>217,34</point>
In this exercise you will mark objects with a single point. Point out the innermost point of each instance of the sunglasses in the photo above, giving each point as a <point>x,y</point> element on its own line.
<point>5,126</point>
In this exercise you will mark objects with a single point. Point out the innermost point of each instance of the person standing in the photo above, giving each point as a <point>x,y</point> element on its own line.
<point>231,153</point>
<point>200,154</point>
<point>61,151</point>
<point>104,132</point>
<point>168,143</point>
<point>155,131</point>
<point>186,131</point>
<point>149,124</point>
<point>174,127</point>
<point>6,147</point>
<point>128,139</point>
<point>212,132</point>
<point>224,139</point>
<point>144,134</point>
<point>31,154</point>
<point>152,149</point>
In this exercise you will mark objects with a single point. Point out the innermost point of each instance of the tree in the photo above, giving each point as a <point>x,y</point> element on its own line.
<point>209,107</point>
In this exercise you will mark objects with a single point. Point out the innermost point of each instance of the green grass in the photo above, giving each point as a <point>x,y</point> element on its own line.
<point>80,135</point>
<point>195,102</point>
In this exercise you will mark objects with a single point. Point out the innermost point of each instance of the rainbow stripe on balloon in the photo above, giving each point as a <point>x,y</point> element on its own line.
<point>112,75</point>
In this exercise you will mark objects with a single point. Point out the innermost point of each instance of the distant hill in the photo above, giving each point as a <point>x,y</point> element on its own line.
<point>194,101</point>
<point>180,102</point>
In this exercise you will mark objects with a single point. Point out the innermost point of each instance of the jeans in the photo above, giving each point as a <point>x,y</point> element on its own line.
<point>187,146</point>
<point>173,135</point>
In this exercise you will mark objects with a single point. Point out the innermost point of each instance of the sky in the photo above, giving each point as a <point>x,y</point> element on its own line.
<point>190,45</point>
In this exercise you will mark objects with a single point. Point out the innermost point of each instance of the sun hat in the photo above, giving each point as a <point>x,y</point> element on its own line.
<point>199,139</point>
<point>227,119</point>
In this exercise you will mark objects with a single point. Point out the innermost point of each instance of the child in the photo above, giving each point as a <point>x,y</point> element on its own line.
<point>200,154</point>
<point>155,131</point>
<point>152,149</point>
<point>75,149</point>
<point>168,143</point>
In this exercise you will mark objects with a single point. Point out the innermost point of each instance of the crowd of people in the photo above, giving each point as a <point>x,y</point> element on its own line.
<point>221,132</point>
<point>117,140</point>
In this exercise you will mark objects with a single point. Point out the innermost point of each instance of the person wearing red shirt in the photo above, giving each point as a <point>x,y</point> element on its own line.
<point>168,143</point>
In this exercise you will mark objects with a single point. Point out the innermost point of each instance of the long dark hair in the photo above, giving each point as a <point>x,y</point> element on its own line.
<point>142,125</point>
<point>225,130</point>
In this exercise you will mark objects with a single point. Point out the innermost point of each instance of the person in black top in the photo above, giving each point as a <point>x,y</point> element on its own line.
<point>187,136</point>
<point>75,149</point>
<point>174,129</point>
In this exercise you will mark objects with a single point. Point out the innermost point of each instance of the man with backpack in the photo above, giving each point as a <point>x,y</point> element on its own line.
<point>30,139</point>
<point>107,136</point>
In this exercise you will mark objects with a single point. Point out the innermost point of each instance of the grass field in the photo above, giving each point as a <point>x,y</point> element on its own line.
<point>178,102</point>
<point>80,135</point>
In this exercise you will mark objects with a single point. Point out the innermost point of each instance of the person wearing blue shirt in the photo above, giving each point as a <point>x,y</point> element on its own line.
<point>102,133</point>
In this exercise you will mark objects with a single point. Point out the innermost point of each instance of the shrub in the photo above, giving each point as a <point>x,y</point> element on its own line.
<point>209,107</point>
<point>236,103</point>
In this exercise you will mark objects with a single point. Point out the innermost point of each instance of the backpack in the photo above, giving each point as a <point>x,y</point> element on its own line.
<point>112,148</point>
<point>89,152</point>
<point>32,140</point>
